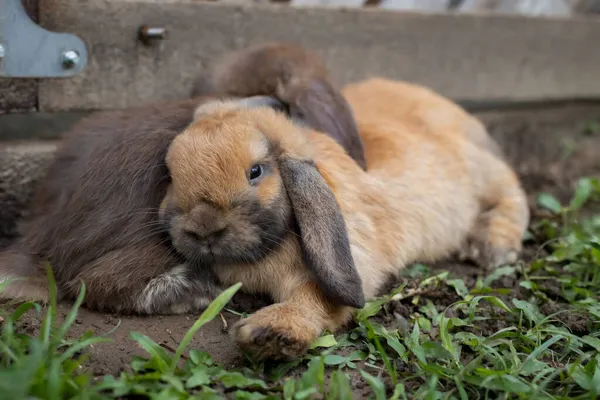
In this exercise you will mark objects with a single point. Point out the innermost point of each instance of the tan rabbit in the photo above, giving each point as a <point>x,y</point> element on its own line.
<point>286,211</point>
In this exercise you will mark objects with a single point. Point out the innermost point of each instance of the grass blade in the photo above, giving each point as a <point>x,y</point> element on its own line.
<point>72,315</point>
<point>211,312</point>
<point>376,384</point>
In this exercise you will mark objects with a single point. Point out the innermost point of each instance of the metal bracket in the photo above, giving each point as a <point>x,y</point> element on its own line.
<point>29,51</point>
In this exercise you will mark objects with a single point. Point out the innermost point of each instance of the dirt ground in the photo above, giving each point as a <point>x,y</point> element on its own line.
<point>111,358</point>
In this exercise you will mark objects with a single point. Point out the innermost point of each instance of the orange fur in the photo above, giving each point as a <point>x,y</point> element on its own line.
<point>436,184</point>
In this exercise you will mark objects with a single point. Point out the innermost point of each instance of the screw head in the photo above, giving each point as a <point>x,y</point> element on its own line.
<point>148,34</point>
<point>70,59</point>
<point>1,51</point>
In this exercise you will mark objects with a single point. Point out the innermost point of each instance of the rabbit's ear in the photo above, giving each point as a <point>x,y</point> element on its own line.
<point>323,108</point>
<point>264,101</point>
<point>324,240</point>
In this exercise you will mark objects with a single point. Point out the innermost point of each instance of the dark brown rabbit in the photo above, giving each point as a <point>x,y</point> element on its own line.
<point>95,216</point>
<point>298,78</point>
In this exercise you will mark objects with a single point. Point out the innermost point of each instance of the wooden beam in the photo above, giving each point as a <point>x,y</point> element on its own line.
<point>467,57</point>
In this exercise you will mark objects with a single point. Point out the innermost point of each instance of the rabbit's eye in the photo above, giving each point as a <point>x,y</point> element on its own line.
<point>255,172</point>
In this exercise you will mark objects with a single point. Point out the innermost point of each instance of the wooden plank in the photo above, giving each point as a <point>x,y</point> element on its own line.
<point>466,57</point>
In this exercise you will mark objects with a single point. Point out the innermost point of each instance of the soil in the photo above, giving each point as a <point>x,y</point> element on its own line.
<point>113,357</point>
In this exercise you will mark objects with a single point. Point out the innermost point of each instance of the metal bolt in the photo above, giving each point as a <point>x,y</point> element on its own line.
<point>147,34</point>
<point>1,51</point>
<point>70,59</point>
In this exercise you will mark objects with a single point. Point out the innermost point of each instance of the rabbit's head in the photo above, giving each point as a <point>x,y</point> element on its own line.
<point>242,182</point>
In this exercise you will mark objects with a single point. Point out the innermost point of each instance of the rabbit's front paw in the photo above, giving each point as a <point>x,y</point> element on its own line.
<point>177,292</point>
<point>278,332</point>
<point>486,255</point>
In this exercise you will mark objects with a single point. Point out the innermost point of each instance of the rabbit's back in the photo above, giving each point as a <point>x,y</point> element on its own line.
<point>416,112</point>
<point>104,188</point>
<point>420,196</point>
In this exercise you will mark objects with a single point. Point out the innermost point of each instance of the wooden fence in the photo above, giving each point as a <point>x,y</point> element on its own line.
<point>471,50</point>
<point>520,7</point>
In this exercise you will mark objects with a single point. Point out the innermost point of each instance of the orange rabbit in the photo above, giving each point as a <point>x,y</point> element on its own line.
<point>291,214</point>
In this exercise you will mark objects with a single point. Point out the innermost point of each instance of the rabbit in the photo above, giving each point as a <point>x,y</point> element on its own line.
<point>95,216</point>
<point>284,210</point>
<point>22,166</point>
<point>298,78</point>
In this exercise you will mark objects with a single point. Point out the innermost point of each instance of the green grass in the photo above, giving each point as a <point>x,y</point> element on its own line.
<point>526,331</point>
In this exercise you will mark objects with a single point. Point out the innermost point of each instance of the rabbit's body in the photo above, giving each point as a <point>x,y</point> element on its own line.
<point>436,184</point>
<point>94,218</point>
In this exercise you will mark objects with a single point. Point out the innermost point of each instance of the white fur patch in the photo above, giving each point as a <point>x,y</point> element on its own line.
<point>214,106</point>
<point>168,284</point>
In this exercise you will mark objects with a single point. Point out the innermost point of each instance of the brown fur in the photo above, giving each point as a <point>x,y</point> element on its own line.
<point>297,77</point>
<point>219,223</point>
<point>95,218</point>
<point>436,185</point>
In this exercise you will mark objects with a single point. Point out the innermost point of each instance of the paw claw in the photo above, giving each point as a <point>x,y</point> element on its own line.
<point>266,336</point>
<point>486,255</point>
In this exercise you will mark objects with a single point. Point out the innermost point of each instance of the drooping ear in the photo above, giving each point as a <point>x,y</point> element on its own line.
<point>323,108</point>
<point>324,239</point>
<point>264,101</point>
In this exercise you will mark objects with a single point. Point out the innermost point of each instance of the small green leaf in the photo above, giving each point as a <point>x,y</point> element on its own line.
<point>497,273</point>
<point>376,384</point>
<point>158,353</point>
<point>238,380</point>
<point>506,383</point>
<point>399,392</point>
<point>530,310</point>
<point>200,357</point>
<point>334,359</point>
<point>324,341</point>
<point>528,285</point>
<point>459,286</point>
<point>530,364</point>
<point>370,309</point>
<point>549,202</point>
<point>288,389</point>
<point>445,335</point>
<point>395,344</point>
<point>199,378</point>
<point>424,324</point>
<point>174,382</point>
<point>581,378</point>
<point>339,387</point>
<point>244,395</point>
<point>583,192</point>
<point>591,341</point>
<point>314,375</point>
<point>469,339</point>
<point>304,393</point>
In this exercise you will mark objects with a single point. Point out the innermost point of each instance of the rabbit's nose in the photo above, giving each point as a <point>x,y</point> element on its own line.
<point>205,222</point>
<point>201,235</point>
